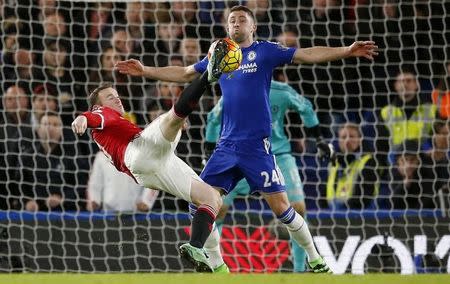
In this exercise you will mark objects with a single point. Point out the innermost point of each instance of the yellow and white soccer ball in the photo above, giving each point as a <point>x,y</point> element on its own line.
<point>232,60</point>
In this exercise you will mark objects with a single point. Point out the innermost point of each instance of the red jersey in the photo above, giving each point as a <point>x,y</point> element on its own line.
<point>112,133</point>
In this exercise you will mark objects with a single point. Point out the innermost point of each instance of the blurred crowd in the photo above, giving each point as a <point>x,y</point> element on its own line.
<point>388,119</point>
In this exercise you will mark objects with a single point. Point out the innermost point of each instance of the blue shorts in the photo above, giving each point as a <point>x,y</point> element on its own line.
<point>249,159</point>
<point>289,169</point>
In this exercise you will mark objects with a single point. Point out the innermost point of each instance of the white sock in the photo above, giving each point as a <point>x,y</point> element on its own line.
<point>299,231</point>
<point>212,248</point>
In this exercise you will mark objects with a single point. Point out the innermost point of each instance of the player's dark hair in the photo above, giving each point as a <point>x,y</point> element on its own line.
<point>93,97</point>
<point>243,8</point>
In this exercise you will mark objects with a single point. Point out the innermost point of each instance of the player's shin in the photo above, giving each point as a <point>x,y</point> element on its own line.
<point>189,98</point>
<point>299,231</point>
<point>202,225</point>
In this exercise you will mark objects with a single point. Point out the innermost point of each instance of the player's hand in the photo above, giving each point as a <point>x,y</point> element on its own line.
<point>131,67</point>
<point>79,125</point>
<point>366,49</point>
<point>326,151</point>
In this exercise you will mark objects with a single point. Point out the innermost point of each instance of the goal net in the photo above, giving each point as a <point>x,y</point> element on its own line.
<point>382,208</point>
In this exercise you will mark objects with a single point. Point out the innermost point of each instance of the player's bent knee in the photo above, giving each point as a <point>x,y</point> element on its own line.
<point>299,207</point>
<point>202,193</point>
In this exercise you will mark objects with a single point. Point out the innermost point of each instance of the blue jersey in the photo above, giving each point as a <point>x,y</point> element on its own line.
<point>246,108</point>
<point>282,98</point>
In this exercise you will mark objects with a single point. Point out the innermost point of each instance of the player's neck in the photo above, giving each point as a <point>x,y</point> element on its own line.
<point>248,42</point>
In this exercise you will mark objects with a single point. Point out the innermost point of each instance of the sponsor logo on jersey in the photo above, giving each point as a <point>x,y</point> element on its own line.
<point>248,67</point>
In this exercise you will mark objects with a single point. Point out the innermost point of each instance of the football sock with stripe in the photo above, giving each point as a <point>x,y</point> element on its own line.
<point>298,230</point>
<point>202,225</point>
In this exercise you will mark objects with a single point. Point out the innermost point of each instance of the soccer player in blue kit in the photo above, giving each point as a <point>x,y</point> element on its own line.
<point>244,147</point>
<point>282,98</point>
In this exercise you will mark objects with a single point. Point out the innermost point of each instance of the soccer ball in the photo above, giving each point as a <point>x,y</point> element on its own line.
<point>232,60</point>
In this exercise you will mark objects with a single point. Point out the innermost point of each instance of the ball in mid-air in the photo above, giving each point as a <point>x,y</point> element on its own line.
<point>232,60</point>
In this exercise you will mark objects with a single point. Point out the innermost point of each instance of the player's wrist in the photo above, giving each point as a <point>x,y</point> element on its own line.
<point>148,71</point>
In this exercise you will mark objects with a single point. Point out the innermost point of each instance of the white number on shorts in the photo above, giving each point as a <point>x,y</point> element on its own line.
<point>275,178</point>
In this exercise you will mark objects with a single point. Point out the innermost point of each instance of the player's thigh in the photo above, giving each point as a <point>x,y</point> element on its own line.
<point>241,188</point>
<point>174,176</point>
<point>262,173</point>
<point>294,185</point>
<point>220,171</point>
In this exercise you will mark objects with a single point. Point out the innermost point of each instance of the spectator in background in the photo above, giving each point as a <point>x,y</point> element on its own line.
<point>438,159</point>
<point>409,116</point>
<point>141,30</point>
<point>56,73</point>
<point>441,94</point>
<point>47,173</point>
<point>109,189</point>
<point>353,181</point>
<point>190,50</point>
<point>167,41</point>
<point>121,43</point>
<point>336,99</point>
<point>44,100</point>
<point>267,19</point>
<point>185,14</point>
<point>414,187</point>
<point>16,106</point>
<point>15,130</point>
<point>101,18</point>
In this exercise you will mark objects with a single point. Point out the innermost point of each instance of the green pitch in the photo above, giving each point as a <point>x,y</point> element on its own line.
<point>163,278</point>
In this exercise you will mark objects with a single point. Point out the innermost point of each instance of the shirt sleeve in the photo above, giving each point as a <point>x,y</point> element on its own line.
<point>279,54</point>
<point>304,108</point>
<point>200,66</point>
<point>95,119</point>
<point>213,124</point>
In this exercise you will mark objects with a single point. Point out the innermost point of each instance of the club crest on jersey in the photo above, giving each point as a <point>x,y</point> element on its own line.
<point>251,56</point>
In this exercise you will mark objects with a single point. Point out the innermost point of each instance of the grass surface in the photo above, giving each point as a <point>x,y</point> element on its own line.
<point>168,278</point>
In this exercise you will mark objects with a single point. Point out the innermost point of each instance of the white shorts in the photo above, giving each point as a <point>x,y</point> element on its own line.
<point>152,161</point>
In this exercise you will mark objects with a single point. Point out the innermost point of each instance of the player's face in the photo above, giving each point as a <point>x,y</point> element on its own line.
<point>240,26</point>
<point>110,98</point>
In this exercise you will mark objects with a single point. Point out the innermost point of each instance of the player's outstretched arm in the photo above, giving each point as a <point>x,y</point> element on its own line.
<point>79,125</point>
<point>134,67</point>
<point>319,54</point>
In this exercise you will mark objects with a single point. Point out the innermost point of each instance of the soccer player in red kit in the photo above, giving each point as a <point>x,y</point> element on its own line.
<point>148,155</point>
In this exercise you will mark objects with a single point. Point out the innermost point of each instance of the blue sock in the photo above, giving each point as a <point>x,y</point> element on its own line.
<point>192,210</point>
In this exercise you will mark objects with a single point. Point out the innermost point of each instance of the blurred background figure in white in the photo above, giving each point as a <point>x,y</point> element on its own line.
<point>111,190</point>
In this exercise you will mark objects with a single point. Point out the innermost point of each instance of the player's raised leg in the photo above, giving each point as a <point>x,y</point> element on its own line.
<point>298,229</point>
<point>190,97</point>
